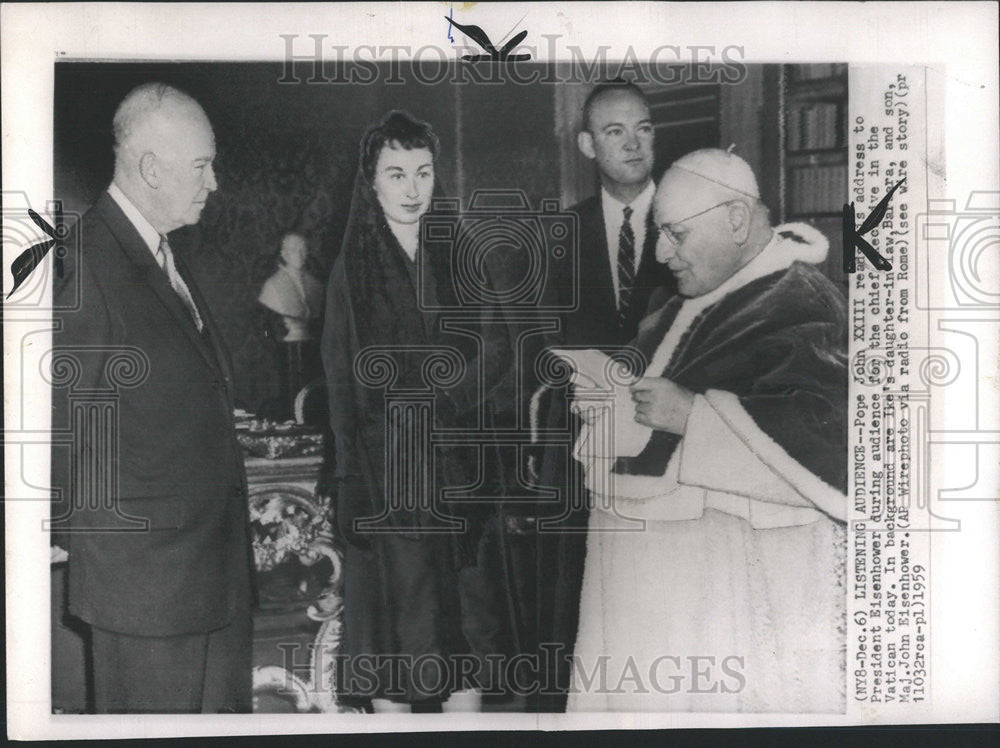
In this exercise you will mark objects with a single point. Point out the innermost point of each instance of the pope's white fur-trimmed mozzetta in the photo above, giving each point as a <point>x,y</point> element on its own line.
<point>725,461</point>
<point>741,546</point>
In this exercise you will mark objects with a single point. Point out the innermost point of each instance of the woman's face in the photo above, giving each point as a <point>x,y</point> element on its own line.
<point>404,182</point>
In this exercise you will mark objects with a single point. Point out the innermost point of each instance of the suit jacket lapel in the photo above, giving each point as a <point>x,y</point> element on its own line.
<point>647,261</point>
<point>595,265</point>
<point>211,329</point>
<point>149,271</point>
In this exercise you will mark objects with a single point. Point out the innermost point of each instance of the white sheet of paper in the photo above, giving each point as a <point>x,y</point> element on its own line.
<point>591,368</point>
<point>589,363</point>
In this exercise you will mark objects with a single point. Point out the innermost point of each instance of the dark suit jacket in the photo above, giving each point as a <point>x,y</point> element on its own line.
<point>174,461</point>
<point>595,321</point>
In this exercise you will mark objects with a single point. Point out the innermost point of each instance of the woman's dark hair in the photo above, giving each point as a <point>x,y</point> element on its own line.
<point>396,128</point>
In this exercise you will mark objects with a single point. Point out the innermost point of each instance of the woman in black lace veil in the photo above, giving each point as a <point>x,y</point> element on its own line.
<point>414,599</point>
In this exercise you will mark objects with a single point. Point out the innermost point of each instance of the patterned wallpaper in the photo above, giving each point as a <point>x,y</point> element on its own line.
<point>268,186</point>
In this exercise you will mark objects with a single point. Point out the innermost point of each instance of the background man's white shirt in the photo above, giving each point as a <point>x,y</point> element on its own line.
<point>613,218</point>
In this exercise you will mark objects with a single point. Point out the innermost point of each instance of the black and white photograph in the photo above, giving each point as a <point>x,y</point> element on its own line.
<point>489,378</point>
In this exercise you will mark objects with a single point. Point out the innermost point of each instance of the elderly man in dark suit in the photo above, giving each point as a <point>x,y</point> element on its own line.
<point>154,496</point>
<point>618,274</point>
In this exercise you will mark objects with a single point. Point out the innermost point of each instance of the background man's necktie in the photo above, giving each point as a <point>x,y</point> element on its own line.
<point>626,266</point>
<point>166,259</point>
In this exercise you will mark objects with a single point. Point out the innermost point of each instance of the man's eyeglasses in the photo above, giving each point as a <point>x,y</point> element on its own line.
<point>669,230</point>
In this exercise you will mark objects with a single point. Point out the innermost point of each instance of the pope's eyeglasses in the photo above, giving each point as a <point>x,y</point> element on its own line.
<point>669,230</point>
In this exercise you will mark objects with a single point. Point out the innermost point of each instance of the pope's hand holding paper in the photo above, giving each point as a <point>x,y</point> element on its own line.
<point>605,404</point>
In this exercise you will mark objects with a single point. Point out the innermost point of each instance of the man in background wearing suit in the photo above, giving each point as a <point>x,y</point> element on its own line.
<point>155,516</point>
<point>618,273</point>
<point>618,268</point>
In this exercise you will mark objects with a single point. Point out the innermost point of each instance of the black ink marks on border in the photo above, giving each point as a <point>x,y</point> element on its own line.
<point>493,54</point>
<point>30,258</point>
<point>852,237</point>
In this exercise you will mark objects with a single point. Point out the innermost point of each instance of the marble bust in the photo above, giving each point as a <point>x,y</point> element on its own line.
<point>292,291</point>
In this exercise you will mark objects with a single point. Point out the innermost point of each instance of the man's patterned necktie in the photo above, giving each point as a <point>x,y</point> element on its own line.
<point>626,267</point>
<point>166,259</point>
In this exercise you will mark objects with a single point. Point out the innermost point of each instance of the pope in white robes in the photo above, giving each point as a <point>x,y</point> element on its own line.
<point>714,577</point>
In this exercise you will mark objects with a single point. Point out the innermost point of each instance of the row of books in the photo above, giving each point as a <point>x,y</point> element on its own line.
<point>817,189</point>
<point>816,125</point>
<point>817,71</point>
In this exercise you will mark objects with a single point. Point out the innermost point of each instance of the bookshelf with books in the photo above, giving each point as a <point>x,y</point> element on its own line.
<point>813,153</point>
<point>790,123</point>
